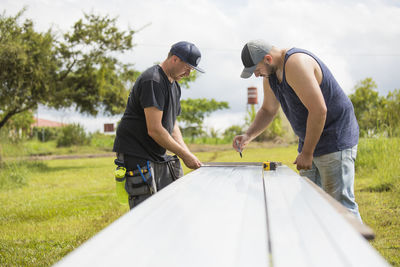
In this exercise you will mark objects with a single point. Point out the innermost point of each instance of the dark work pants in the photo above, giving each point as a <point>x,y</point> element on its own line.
<point>163,174</point>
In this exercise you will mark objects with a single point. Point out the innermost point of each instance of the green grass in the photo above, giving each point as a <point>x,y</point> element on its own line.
<point>14,174</point>
<point>99,144</point>
<point>284,154</point>
<point>58,204</point>
<point>378,193</point>
<point>63,203</point>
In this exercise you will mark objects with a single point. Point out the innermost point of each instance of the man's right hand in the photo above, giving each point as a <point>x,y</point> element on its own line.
<point>191,161</point>
<point>240,141</point>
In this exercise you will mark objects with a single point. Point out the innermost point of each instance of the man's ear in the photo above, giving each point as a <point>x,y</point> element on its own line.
<point>175,58</point>
<point>267,59</point>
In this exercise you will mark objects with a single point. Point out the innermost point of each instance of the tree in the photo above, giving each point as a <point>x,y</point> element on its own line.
<point>391,113</point>
<point>376,114</point>
<point>273,130</point>
<point>194,111</point>
<point>250,116</point>
<point>27,67</point>
<point>79,70</point>
<point>19,126</point>
<point>367,106</point>
<point>214,134</point>
<point>232,131</point>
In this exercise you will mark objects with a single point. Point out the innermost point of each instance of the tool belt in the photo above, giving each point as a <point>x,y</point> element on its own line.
<point>150,178</point>
<point>139,181</point>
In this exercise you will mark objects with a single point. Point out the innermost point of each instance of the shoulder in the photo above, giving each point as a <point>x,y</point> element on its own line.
<point>151,74</point>
<point>299,60</point>
<point>300,63</point>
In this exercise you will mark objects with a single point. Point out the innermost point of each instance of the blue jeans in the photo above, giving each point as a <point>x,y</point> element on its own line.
<point>334,173</point>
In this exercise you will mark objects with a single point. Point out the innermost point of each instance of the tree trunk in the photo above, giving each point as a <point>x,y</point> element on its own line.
<point>6,118</point>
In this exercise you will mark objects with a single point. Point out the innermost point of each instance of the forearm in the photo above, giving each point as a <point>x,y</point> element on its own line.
<point>262,120</point>
<point>315,126</point>
<point>177,135</point>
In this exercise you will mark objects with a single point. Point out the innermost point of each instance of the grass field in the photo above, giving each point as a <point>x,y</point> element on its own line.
<point>58,204</point>
<point>378,193</point>
<point>64,203</point>
<point>37,148</point>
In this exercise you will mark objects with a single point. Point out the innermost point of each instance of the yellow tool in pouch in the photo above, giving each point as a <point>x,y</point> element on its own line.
<point>120,180</point>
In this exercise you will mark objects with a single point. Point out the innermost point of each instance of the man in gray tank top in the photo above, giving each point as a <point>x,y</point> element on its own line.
<point>320,113</point>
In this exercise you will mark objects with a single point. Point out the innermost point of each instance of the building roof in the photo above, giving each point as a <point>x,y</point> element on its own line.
<point>46,123</point>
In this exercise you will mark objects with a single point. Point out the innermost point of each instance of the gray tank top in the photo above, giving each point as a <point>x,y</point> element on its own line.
<point>341,128</point>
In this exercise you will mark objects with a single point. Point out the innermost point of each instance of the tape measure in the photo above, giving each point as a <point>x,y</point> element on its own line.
<point>271,165</point>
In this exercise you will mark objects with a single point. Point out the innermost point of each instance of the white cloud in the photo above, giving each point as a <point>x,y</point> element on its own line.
<point>356,39</point>
<point>222,120</point>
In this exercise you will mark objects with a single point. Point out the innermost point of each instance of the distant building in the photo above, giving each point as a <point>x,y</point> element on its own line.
<point>46,123</point>
<point>109,128</point>
<point>41,124</point>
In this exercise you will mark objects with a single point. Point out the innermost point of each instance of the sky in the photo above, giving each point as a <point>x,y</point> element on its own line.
<point>355,39</point>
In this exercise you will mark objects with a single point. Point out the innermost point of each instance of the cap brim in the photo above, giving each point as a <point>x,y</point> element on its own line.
<point>247,72</point>
<point>196,68</point>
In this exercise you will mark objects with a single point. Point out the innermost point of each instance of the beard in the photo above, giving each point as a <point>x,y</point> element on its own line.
<point>178,77</point>
<point>272,70</point>
<point>177,74</point>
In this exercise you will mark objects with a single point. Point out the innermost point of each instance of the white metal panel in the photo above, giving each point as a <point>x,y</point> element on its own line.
<point>214,216</point>
<point>306,230</point>
<point>288,233</point>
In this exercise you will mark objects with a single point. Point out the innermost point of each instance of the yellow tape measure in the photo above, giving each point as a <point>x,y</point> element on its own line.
<point>271,165</point>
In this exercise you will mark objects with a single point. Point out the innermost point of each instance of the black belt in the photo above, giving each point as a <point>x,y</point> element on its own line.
<point>135,172</point>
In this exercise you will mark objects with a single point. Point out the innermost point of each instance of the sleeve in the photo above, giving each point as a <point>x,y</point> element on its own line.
<point>179,110</point>
<point>152,95</point>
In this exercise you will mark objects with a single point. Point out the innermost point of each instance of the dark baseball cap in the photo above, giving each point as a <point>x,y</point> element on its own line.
<point>252,53</point>
<point>188,53</point>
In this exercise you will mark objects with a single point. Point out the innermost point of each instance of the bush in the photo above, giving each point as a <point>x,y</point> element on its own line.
<point>103,141</point>
<point>45,134</point>
<point>192,132</point>
<point>72,134</point>
<point>273,131</point>
<point>231,132</point>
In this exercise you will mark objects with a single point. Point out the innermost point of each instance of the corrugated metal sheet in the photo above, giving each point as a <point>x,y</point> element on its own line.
<point>230,216</point>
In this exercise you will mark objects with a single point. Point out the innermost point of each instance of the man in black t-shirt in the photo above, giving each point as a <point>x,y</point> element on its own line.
<point>148,127</point>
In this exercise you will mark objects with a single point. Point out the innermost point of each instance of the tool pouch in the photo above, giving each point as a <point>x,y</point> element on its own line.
<point>136,186</point>
<point>175,168</point>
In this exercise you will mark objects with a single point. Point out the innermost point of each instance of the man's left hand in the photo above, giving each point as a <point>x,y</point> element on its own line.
<point>303,161</point>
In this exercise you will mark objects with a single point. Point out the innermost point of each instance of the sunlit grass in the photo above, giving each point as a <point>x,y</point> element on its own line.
<point>61,206</point>
<point>284,154</point>
<point>98,144</point>
<point>378,193</point>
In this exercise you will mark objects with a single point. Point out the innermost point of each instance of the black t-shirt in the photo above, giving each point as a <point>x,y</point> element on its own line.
<point>151,89</point>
